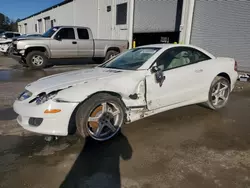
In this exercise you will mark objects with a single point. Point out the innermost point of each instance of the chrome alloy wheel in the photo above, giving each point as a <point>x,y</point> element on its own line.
<point>104,121</point>
<point>37,60</point>
<point>220,94</point>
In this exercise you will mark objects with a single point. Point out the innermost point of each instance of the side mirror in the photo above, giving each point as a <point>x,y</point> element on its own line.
<point>154,69</point>
<point>58,37</point>
<point>159,76</point>
<point>4,37</point>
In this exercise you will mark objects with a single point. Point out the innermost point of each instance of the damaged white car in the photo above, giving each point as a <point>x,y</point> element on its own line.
<point>6,40</point>
<point>138,83</point>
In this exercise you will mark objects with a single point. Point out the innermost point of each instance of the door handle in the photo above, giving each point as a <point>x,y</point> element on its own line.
<point>198,70</point>
<point>74,42</point>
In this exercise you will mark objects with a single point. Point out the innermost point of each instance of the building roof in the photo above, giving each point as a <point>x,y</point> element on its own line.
<point>47,9</point>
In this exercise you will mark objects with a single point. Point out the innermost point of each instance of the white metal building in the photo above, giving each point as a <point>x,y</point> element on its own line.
<point>220,26</point>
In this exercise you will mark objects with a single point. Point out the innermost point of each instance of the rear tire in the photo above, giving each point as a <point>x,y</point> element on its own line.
<point>37,60</point>
<point>219,93</point>
<point>100,117</point>
<point>110,54</point>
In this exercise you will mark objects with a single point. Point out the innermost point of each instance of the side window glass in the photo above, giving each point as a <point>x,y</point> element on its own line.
<point>197,56</point>
<point>83,33</point>
<point>66,33</point>
<point>9,35</point>
<point>180,56</point>
<point>173,58</point>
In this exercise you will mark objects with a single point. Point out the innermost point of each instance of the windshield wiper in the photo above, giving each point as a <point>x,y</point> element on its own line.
<point>113,67</point>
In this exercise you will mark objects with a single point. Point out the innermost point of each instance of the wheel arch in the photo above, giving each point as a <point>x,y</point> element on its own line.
<point>72,123</point>
<point>37,48</point>
<point>112,48</point>
<point>225,75</point>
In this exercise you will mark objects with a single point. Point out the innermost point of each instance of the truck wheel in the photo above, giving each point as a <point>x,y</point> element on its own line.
<point>110,54</point>
<point>219,93</point>
<point>36,60</point>
<point>100,117</point>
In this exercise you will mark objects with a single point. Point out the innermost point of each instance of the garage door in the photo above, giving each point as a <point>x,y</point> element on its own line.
<point>155,16</point>
<point>223,28</point>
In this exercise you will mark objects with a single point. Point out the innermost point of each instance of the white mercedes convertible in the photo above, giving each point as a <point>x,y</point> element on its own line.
<point>136,84</point>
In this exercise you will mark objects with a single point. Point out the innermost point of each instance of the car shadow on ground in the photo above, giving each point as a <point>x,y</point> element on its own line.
<point>7,114</point>
<point>98,164</point>
<point>76,61</point>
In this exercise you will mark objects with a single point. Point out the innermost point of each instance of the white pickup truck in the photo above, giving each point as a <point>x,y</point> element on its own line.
<point>64,42</point>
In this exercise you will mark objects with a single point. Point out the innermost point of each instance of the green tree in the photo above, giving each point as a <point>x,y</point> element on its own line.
<point>7,24</point>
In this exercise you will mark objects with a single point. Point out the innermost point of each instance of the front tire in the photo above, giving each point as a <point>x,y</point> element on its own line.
<point>37,60</point>
<point>100,117</point>
<point>219,93</point>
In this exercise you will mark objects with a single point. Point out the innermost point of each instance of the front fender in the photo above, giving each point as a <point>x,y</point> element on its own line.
<point>28,46</point>
<point>133,87</point>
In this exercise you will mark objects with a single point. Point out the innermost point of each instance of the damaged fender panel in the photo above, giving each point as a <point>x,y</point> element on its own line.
<point>124,84</point>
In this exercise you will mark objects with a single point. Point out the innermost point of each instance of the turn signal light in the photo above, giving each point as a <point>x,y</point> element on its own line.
<point>52,111</point>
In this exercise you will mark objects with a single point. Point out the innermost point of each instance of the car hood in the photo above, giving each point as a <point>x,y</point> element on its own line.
<point>31,38</point>
<point>2,41</point>
<point>64,80</point>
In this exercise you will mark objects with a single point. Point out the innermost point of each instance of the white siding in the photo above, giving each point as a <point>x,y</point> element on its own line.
<point>63,15</point>
<point>86,14</point>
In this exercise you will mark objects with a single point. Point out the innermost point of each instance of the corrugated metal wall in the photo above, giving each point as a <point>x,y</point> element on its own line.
<point>155,16</point>
<point>223,28</point>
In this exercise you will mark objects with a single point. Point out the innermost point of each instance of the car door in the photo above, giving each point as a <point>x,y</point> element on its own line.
<point>182,79</point>
<point>85,45</point>
<point>64,44</point>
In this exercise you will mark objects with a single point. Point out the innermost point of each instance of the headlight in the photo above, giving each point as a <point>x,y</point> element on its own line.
<point>43,97</point>
<point>25,95</point>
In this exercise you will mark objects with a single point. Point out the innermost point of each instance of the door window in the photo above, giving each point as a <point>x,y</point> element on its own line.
<point>83,33</point>
<point>121,14</point>
<point>180,56</point>
<point>9,35</point>
<point>66,33</point>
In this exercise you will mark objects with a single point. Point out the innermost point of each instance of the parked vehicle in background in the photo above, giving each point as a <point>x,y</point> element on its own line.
<point>65,42</point>
<point>27,35</point>
<point>136,84</point>
<point>6,39</point>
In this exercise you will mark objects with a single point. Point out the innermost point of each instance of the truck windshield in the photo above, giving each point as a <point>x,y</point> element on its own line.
<point>132,59</point>
<point>50,32</point>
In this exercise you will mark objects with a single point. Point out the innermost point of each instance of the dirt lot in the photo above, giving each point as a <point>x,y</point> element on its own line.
<point>187,147</point>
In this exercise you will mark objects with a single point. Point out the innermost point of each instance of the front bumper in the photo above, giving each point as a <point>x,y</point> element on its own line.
<point>4,48</point>
<point>52,124</point>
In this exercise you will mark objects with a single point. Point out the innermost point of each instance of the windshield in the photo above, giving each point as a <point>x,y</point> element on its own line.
<point>132,59</point>
<point>50,32</point>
